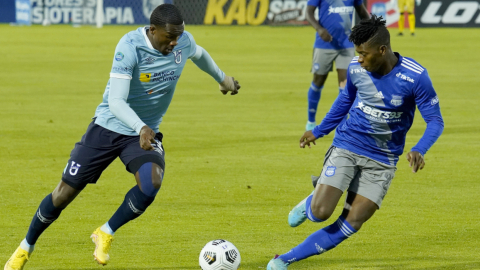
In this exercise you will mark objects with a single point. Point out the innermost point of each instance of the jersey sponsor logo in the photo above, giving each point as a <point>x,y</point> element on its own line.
<point>434,100</point>
<point>340,10</point>
<point>149,60</point>
<point>330,171</point>
<point>379,115</point>
<point>145,77</point>
<point>119,56</point>
<point>379,95</point>
<point>74,168</point>
<point>162,76</point>
<point>178,56</point>
<point>357,70</point>
<point>396,100</point>
<point>405,77</point>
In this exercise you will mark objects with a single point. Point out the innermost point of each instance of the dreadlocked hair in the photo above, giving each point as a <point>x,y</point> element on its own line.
<point>166,14</point>
<point>371,30</point>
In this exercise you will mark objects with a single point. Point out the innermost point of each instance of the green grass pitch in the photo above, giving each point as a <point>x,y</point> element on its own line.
<point>234,167</point>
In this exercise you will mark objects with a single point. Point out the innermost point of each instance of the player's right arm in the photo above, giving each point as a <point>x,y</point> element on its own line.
<point>322,32</point>
<point>337,112</point>
<point>124,62</point>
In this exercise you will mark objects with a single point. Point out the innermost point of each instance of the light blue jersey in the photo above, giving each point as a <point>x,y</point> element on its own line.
<point>153,76</point>
<point>381,111</point>
<point>336,17</point>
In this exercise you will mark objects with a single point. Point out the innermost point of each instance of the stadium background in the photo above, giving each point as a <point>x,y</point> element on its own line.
<point>234,168</point>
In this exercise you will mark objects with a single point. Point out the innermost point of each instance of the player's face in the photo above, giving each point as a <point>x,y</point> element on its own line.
<point>164,39</point>
<point>371,57</point>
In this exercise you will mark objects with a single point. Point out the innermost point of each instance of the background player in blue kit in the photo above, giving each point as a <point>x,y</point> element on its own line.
<point>331,44</point>
<point>146,67</point>
<point>383,88</point>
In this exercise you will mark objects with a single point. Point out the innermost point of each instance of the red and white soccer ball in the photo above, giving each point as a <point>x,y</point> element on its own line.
<point>219,255</point>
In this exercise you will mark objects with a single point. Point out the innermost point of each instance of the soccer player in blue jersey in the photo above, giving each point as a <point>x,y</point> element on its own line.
<point>382,90</point>
<point>146,67</point>
<point>331,44</point>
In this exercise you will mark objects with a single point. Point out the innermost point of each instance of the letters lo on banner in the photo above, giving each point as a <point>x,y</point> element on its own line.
<point>449,13</point>
<point>253,12</point>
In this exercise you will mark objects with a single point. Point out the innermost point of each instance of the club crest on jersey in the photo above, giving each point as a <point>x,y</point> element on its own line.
<point>396,100</point>
<point>178,56</point>
<point>434,100</point>
<point>316,66</point>
<point>119,56</point>
<point>149,60</point>
<point>330,171</point>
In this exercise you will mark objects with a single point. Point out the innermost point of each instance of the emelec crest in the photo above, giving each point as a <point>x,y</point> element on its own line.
<point>178,56</point>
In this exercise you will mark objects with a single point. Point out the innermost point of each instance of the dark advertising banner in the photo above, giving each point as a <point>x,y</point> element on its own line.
<point>448,13</point>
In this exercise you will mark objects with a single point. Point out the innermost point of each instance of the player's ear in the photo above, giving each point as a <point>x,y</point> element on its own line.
<point>152,29</point>
<point>383,49</point>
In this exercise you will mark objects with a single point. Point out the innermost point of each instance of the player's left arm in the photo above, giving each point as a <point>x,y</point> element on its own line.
<point>204,61</point>
<point>361,10</point>
<point>428,104</point>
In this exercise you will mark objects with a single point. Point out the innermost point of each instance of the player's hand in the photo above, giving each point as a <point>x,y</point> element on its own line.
<point>323,33</point>
<point>416,161</point>
<point>229,85</point>
<point>147,137</point>
<point>307,138</point>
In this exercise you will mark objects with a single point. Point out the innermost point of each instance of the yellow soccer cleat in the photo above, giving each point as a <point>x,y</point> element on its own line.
<point>103,242</point>
<point>18,260</point>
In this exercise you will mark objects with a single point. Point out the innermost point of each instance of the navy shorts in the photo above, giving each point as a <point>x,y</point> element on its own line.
<point>99,147</point>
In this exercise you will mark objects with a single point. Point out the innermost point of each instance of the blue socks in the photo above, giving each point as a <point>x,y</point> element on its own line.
<point>46,214</point>
<point>320,241</point>
<point>133,206</point>
<point>314,94</point>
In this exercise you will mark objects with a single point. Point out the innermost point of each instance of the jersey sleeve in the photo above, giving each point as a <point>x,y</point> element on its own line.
<point>193,45</point>
<point>428,104</point>
<point>124,60</point>
<point>315,3</point>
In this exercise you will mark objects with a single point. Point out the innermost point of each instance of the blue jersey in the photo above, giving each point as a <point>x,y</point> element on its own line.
<point>153,79</point>
<point>336,17</point>
<point>381,110</point>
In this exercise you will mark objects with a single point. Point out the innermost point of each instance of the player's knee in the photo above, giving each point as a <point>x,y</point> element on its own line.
<point>151,176</point>
<point>321,211</point>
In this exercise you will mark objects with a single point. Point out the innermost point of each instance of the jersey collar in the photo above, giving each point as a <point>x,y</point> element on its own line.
<point>149,44</point>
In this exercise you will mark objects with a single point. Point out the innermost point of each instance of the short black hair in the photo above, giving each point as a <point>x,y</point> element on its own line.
<point>372,30</point>
<point>166,14</point>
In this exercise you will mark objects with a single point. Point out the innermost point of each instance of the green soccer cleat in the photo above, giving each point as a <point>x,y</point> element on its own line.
<point>277,264</point>
<point>310,125</point>
<point>298,215</point>
<point>18,260</point>
<point>103,242</point>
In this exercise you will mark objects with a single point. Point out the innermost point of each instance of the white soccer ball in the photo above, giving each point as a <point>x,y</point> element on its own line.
<point>219,255</point>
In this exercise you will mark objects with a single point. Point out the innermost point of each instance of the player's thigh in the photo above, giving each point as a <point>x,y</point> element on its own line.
<point>401,5</point>
<point>322,62</point>
<point>339,169</point>
<point>134,157</point>
<point>373,180</point>
<point>410,6</point>
<point>90,157</point>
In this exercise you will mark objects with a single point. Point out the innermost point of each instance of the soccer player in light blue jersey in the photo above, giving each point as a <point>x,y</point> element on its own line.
<point>147,65</point>
<point>382,91</point>
<point>331,44</point>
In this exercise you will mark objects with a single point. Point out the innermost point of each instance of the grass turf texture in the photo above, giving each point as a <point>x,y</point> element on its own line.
<point>234,168</point>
